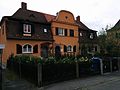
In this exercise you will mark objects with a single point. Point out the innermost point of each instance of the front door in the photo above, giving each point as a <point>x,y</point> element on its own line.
<point>44,51</point>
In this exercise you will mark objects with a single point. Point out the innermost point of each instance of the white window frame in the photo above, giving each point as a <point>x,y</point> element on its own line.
<point>27,28</point>
<point>45,30</point>
<point>91,35</point>
<point>27,48</point>
<point>61,31</point>
<point>69,48</point>
<point>81,34</point>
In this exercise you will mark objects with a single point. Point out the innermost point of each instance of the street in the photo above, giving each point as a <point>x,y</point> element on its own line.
<point>109,81</point>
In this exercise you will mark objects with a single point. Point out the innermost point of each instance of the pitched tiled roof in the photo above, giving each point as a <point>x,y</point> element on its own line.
<point>29,15</point>
<point>49,17</point>
<point>38,20</point>
<point>83,26</point>
<point>116,27</point>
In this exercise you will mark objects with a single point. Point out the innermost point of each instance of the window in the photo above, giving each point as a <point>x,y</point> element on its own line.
<point>81,34</point>
<point>27,49</point>
<point>95,48</point>
<point>91,35</point>
<point>27,28</point>
<point>44,30</point>
<point>61,31</point>
<point>71,33</point>
<point>69,48</point>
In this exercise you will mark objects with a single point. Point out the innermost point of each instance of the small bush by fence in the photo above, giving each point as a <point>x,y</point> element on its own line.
<point>43,72</point>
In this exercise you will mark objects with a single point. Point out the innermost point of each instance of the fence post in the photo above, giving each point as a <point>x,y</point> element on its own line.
<point>20,69</point>
<point>77,69</point>
<point>101,66</point>
<point>118,64</point>
<point>110,65</point>
<point>39,75</point>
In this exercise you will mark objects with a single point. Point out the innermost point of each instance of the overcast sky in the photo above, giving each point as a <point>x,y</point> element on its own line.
<point>96,14</point>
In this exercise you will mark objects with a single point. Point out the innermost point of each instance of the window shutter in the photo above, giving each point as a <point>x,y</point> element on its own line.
<point>65,32</point>
<point>74,48</point>
<point>32,29</point>
<point>18,49</point>
<point>20,30</point>
<point>35,49</point>
<point>65,48</point>
<point>56,31</point>
<point>72,33</point>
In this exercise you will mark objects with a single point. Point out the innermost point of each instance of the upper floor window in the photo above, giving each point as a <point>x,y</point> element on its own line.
<point>81,34</point>
<point>91,35</point>
<point>69,48</point>
<point>60,31</point>
<point>72,33</point>
<point>27,49</point>
<point>27,28</point>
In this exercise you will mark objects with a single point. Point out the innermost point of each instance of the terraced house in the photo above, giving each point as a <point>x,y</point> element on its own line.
<point>40,34</point>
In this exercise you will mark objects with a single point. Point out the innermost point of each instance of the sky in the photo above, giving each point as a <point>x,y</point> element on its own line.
<point>95,14</point>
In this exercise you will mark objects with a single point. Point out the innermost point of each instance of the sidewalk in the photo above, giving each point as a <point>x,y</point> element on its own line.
<point>77,84</point>
<point>12,82</point>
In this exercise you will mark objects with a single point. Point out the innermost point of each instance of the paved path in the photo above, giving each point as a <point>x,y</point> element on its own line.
<point>105,82</point>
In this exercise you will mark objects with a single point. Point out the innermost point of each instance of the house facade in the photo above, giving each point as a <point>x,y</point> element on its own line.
<point>65,34</point>
<point>114,33</point>
<point>40,34</point>
<point>88,42</point>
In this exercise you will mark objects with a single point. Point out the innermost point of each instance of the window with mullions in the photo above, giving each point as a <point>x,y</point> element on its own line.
<point>69,48</point>
<point>60,31</point>
<point>27,28</point>
<point>27,49</point>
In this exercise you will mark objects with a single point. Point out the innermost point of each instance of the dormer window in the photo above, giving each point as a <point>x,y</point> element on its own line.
<point>27,28</point>
<point>45,30</point>
<point>91,35</point>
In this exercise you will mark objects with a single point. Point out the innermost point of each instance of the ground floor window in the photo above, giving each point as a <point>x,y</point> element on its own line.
<point>27,48</point>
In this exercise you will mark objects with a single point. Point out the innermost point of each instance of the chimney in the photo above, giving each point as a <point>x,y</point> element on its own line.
<point>24,5</point>
<point>78,18</point>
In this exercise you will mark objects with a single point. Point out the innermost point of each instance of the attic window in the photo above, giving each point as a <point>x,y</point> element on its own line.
<point>26,28</point>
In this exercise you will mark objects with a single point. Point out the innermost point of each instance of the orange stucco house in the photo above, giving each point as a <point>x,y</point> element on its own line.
<point>40,34</point>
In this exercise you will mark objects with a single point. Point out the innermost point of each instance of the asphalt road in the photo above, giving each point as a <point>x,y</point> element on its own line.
<point>109,81</point>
